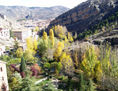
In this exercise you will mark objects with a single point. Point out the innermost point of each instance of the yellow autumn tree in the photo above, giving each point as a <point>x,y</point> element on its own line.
<point>28,55</point>
<point>29,42</point>
<point>35,44</point>
<point>31,45</point>
<point>90,65</point>
<point>66,40</point>
<point>70,38</point>
<point>67,63</point>
<point>19,52</point>
<point>51,36</point>
<point>58,50</point>
<point>60,31</point>
<point>45,38</point>
<point>36,29</point>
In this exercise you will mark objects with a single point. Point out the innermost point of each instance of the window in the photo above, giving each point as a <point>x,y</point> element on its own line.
<point>1,69</point>
<point>3,78</point>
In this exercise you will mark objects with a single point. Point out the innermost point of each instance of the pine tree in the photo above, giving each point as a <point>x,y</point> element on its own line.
<point>22,67</point>
<point>51,36</point>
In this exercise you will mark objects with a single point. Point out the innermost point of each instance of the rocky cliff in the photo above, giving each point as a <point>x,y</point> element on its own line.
<point>86,15</point>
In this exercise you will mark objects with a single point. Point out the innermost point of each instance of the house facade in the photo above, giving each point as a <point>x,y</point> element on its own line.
<point>3,77</point>
<point>4,33</point>
<point>2,49</point>
<point>22,34</point>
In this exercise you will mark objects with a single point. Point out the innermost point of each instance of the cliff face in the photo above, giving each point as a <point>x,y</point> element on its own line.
<point>85,15</point>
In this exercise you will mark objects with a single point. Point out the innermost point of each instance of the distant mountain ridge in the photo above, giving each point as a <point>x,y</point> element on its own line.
<point>86,15</point>
<point>22,12</point>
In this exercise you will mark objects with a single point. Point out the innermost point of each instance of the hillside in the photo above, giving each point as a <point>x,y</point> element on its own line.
<point>87,15</point>
<point>22,12</point>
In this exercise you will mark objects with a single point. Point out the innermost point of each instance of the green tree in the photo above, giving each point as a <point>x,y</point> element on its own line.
<point>91,65</point>
<point>23,67</point>
<point>91,86</point>
<point>82,83</point>
<point>19,52</point>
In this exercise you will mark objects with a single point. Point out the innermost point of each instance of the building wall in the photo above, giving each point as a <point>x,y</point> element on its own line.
<point>26,34</point>
<point>18,34</point>
<point>2,50</point>
<point>3,75</point>
<point>22,35</point>
<point>5,33</point>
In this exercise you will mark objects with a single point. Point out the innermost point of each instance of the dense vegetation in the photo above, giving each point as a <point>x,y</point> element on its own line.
<point>66,66</point>
<point>108,23</point>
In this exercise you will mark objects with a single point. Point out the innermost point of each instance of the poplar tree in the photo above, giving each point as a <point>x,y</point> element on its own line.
<point>45,38</point>
<point>35,44</point>
<point>70,38</point>
<point>51,36</point>
<point>58,50</point>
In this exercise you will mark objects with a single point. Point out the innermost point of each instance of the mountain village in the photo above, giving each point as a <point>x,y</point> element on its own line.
<point>21,33</point>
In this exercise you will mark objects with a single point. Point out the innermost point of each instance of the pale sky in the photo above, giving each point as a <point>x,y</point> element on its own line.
<point>41,3</point>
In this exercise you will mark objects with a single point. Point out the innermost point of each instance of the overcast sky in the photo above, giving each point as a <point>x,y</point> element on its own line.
<point>41,3</point>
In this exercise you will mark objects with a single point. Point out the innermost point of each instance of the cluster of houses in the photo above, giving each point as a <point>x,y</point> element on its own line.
<point>20,34</point>
<point>5,40</point>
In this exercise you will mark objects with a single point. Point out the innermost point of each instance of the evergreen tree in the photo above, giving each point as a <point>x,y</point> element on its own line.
<point>22,67</point>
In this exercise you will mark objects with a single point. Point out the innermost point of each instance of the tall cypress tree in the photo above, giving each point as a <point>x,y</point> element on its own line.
<point>22,67</point>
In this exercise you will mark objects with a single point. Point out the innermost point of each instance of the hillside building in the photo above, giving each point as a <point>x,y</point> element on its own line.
<point>22,35</point>
<point>3,77</point>
<point>2,49</point>
<point>4,33</point>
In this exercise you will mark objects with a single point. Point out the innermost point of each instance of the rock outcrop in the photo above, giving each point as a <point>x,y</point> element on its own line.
<point>86,15</point>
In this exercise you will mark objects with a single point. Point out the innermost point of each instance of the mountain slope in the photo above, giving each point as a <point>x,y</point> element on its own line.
<point>86,15</point>
<point>21,12</point>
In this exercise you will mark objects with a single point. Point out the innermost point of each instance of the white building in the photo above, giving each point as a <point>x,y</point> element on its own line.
<point>2,49</point>
<point>3,77</point>
<point>4,33</point>
<point>35,35</point>
<point>22,34</point>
